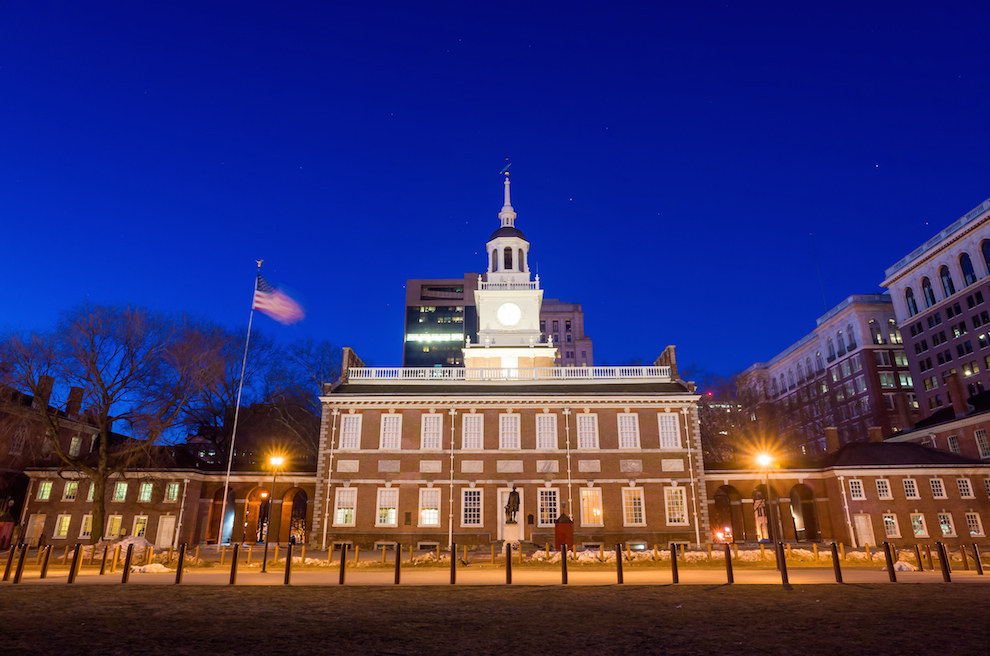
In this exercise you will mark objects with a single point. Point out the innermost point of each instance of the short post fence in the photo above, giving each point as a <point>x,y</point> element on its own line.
<point>103,563</point>
<point>398,563</point>
<point>453,563</point>
<point>891,574</point>
<point>181,563</point>
<point>917,555</point>
<point>836,565</point>
<point>233,565</point>
<point>44,562</point>
<point>976,557</point>
<point>782,561</point>
<point>288,564</point>
<point>729,578</point>
<point>76,564</point>
<point>10,561</point>
<point>343,563</point>
<point>563,564</point>
<point>675,578</point>
<point>116,555</point>
<point>965,560</point>
<point>931,562</point>
<point>508,563</point>
<point>618,563</point>
<point>127,564</point>
<point>65,555</point>
<point>943,562</point>
<point>20,564</point>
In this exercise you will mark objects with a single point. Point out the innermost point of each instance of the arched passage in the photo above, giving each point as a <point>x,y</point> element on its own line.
<point>292,523</point>
<point>256,513</point>
<point>803,513</point>
<point>214,517</point>
<point>727,515</point>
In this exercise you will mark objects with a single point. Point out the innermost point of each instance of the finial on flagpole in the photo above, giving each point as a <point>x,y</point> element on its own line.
<point>259,264</point>
<point>505,169</point>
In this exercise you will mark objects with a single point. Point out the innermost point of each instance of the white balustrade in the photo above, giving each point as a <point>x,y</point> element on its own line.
<point>498,373</point>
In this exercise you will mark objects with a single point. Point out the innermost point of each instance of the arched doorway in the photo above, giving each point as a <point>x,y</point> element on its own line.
<point>728,523</point>
<point>256,513</point>
<point>803,513</point>
<point>214,517</point>
<point>761,513</point>
<point>292,523</point>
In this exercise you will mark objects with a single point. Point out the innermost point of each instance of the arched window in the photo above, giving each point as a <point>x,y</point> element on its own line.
<point>840,338</point>
<point>494,259</point>
<point>790,378</point>
<point>911,303</point>
<point>800,373</point>
<point>851,335</point>
<point>831,349</point>
<point>985,249</point>
<point>926,289</point>
<point>773,386</point>
<point>508,259</point>
<point>819,362</point>
<point>947,285</point>
<point>807,366</point>
<point>895,334</point>
<point>966,264</point>
<point>875,334</point>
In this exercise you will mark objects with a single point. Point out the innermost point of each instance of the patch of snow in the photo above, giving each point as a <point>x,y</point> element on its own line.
<point>153,568</point>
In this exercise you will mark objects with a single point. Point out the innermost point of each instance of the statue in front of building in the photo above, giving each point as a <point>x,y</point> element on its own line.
<point>512,507</point>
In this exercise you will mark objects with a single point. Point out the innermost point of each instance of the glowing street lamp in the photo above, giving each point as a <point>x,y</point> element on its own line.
<point>275,462</point>
<point>765,460</point>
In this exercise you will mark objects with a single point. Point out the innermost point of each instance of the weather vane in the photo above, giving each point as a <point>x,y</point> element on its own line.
<point>505,169</point>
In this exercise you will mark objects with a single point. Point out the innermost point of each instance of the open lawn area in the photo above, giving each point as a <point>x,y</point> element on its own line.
<point>820,619</point>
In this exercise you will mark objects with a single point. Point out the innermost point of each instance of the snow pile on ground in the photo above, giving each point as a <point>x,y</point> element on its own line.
<point>153,568</point>
<point>904,566</point>
<point>138,542</point>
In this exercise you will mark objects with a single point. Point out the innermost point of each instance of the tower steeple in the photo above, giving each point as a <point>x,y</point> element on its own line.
<point>507,216</point>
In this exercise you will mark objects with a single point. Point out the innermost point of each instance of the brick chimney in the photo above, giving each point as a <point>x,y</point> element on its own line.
<point>75,401</point>
<point>957,395</point>
<point>874,434</point>
<point>831,439</point>
<point>44,392</point>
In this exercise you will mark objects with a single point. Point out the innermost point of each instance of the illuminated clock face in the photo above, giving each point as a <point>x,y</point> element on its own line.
<point>509,314</point>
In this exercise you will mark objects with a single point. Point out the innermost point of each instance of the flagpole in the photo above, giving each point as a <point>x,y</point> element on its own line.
<point>237,410</point>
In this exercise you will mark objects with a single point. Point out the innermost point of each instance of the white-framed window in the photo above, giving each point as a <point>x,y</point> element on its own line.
<point>473,432</point>
<point>113,526</point>
<point>953,443</point>
<point>344,506</point>
<point>890,528</point>
<point>938,489</point>
<point>172,492</point>
<point>62,527</point>
<point>548,506</point>
<point>89,493</point>
<point>44,490</point>
<point>965,488</point>
<point>431,432</point>
<point>670,430</point>
<point>982,443</point>
<point>628,425</point>
<point>911,489</point>
<point>70,491</point>
<point>509,432</point>
<point>945,523</point>
<point>675,503</point>
<point>75,446</point>
<point>120,492</point>
<point>350,431</point>
<point>86,530</point>
<point>633,511</point>
<point>387,508</point>
<point>546,432</point>
<point>429,506</point>
<point>471,507</point>
<point>918,525</point>
<point>856,490</point>
<point>144,492</point>
<point>883,489</point>
<point>974,525</point>
<point>140,526</point>
<point>391,434</point>
<point>587,430</point>
<point>591,506</point>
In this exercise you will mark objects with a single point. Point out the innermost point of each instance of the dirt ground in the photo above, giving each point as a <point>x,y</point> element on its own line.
<point>823,619</point>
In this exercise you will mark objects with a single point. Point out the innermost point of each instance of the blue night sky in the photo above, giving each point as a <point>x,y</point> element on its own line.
<point>669,163</point>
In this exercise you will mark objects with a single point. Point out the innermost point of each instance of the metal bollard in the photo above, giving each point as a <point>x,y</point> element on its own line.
<point>103,563</point>
<point>917,555</point>
<point>675,577</point>
<point>891,574</point>
<point>44,562</point>
<point>10,562</point>
<point>976,558</point>
<point>398,563</point>
<point>508,563</point>
<point>20,564</point>
<point>233,565</point>
<point>113,561</point>
<point>223,555</point>
<point>836,566</point>
<point>181,563</point>
<point>931,561</point>
<point>943,561</point>
<point>965,560</point>
<point>288,564</point>
<point>782,561</point>
<point>127,564</point>
<point>343,563</point>
<point>453,563</point>
<point>729,578</point>
<point>618,563</point>
<point>563,564</point>
<point>74,569</point>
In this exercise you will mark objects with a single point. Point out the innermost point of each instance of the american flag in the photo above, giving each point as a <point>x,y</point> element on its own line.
<point>276,304</point>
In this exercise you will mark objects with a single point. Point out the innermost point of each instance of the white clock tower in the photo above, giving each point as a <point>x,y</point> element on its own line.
<point>508,304</point>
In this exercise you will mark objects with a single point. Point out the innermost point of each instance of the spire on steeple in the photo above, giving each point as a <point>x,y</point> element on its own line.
<point>507,216</point>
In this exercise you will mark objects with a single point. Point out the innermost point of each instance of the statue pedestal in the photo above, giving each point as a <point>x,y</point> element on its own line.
<point>512,533</point>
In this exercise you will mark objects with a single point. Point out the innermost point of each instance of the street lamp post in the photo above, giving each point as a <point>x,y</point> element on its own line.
<point>275,462</point>
<point>765,460</point>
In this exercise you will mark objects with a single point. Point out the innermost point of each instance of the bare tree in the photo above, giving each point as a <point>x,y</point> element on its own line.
<point>135,371</point>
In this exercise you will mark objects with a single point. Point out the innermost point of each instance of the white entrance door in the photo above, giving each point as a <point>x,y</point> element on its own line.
<point>36,524</point>
<point>166,531</point>
<point>864,530</point>
<point>503,498</point>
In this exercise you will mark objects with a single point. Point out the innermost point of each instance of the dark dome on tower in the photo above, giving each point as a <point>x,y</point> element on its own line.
<point>507,231</point>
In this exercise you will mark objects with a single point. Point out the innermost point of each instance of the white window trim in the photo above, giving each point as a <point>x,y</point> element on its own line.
<point>151,492</point>
<point>82,527</point>
<point>425,420</point>
<point>477,421</point>
<point>917,492</point>
<point>635,429</point>
<point>627,494</point>
<point>347,491</point>
<point>862,490</point>
<point>591,419</point>
<point>666,505</point>
<point>178,490</point>
<point>507,441</point>
<point>897,526</point>
<point>424,491</point>
<point>120,525</point>
<point>979,525</point>
<point>674,421</point>
<point>116,486</point>
<point>47,486</point>
<point>969,484</point>
<point>135,523</point>
<point>941,483</point>
<point>65,491</point>
<point>890,490</point>
<point>353,435</point>
<point>952,525</point>
<point>601,509</point>
<point>68,524</point>
<point>547,440</point>
<point>390,418</point>
<point>481,507</point>
<point>386,491</point>
<point>540,504</point>
<point>924,525</point>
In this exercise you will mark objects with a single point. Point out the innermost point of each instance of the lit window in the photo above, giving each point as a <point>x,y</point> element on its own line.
<point>883,489</point>
<point>856,490</point>
<point>140,526</point>
<point>945,523</point>
<point>431,435</point>
<point>75,445</point>
<point>391,433</point>
<point>44,490</point>
<point>345,504</point>
<point>546,432</point>
<point>70,491</point>
<point>473,437</point>
<point>429,507</point>
<point>350,432</point>
<point>587,429</point>
<point>470,507</point>
<point>965,488</point>
<point>591,506</point>
<point>670,430</point>
<point>387,509</point>
<point>890,528</point>
<point>172,492</point>
<point>938,490</point>
<point>676,506</point>
<point>918,526</point>
<point>113,526</point>
<point>982,443</point>
<point>508,432</point>
<point>144,492</point>
<point>628,430</point>
<point>120,492</point>
<point>974,525</point>
<point>632,507</point>
<point>953,443</point>
<point>89,494</point>
<point>548,507</point>
<point>86,530</point>
<point>62,527</point>
<point>911,489</point>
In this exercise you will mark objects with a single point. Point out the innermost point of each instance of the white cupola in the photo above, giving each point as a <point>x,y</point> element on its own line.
<point>507,248</point>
